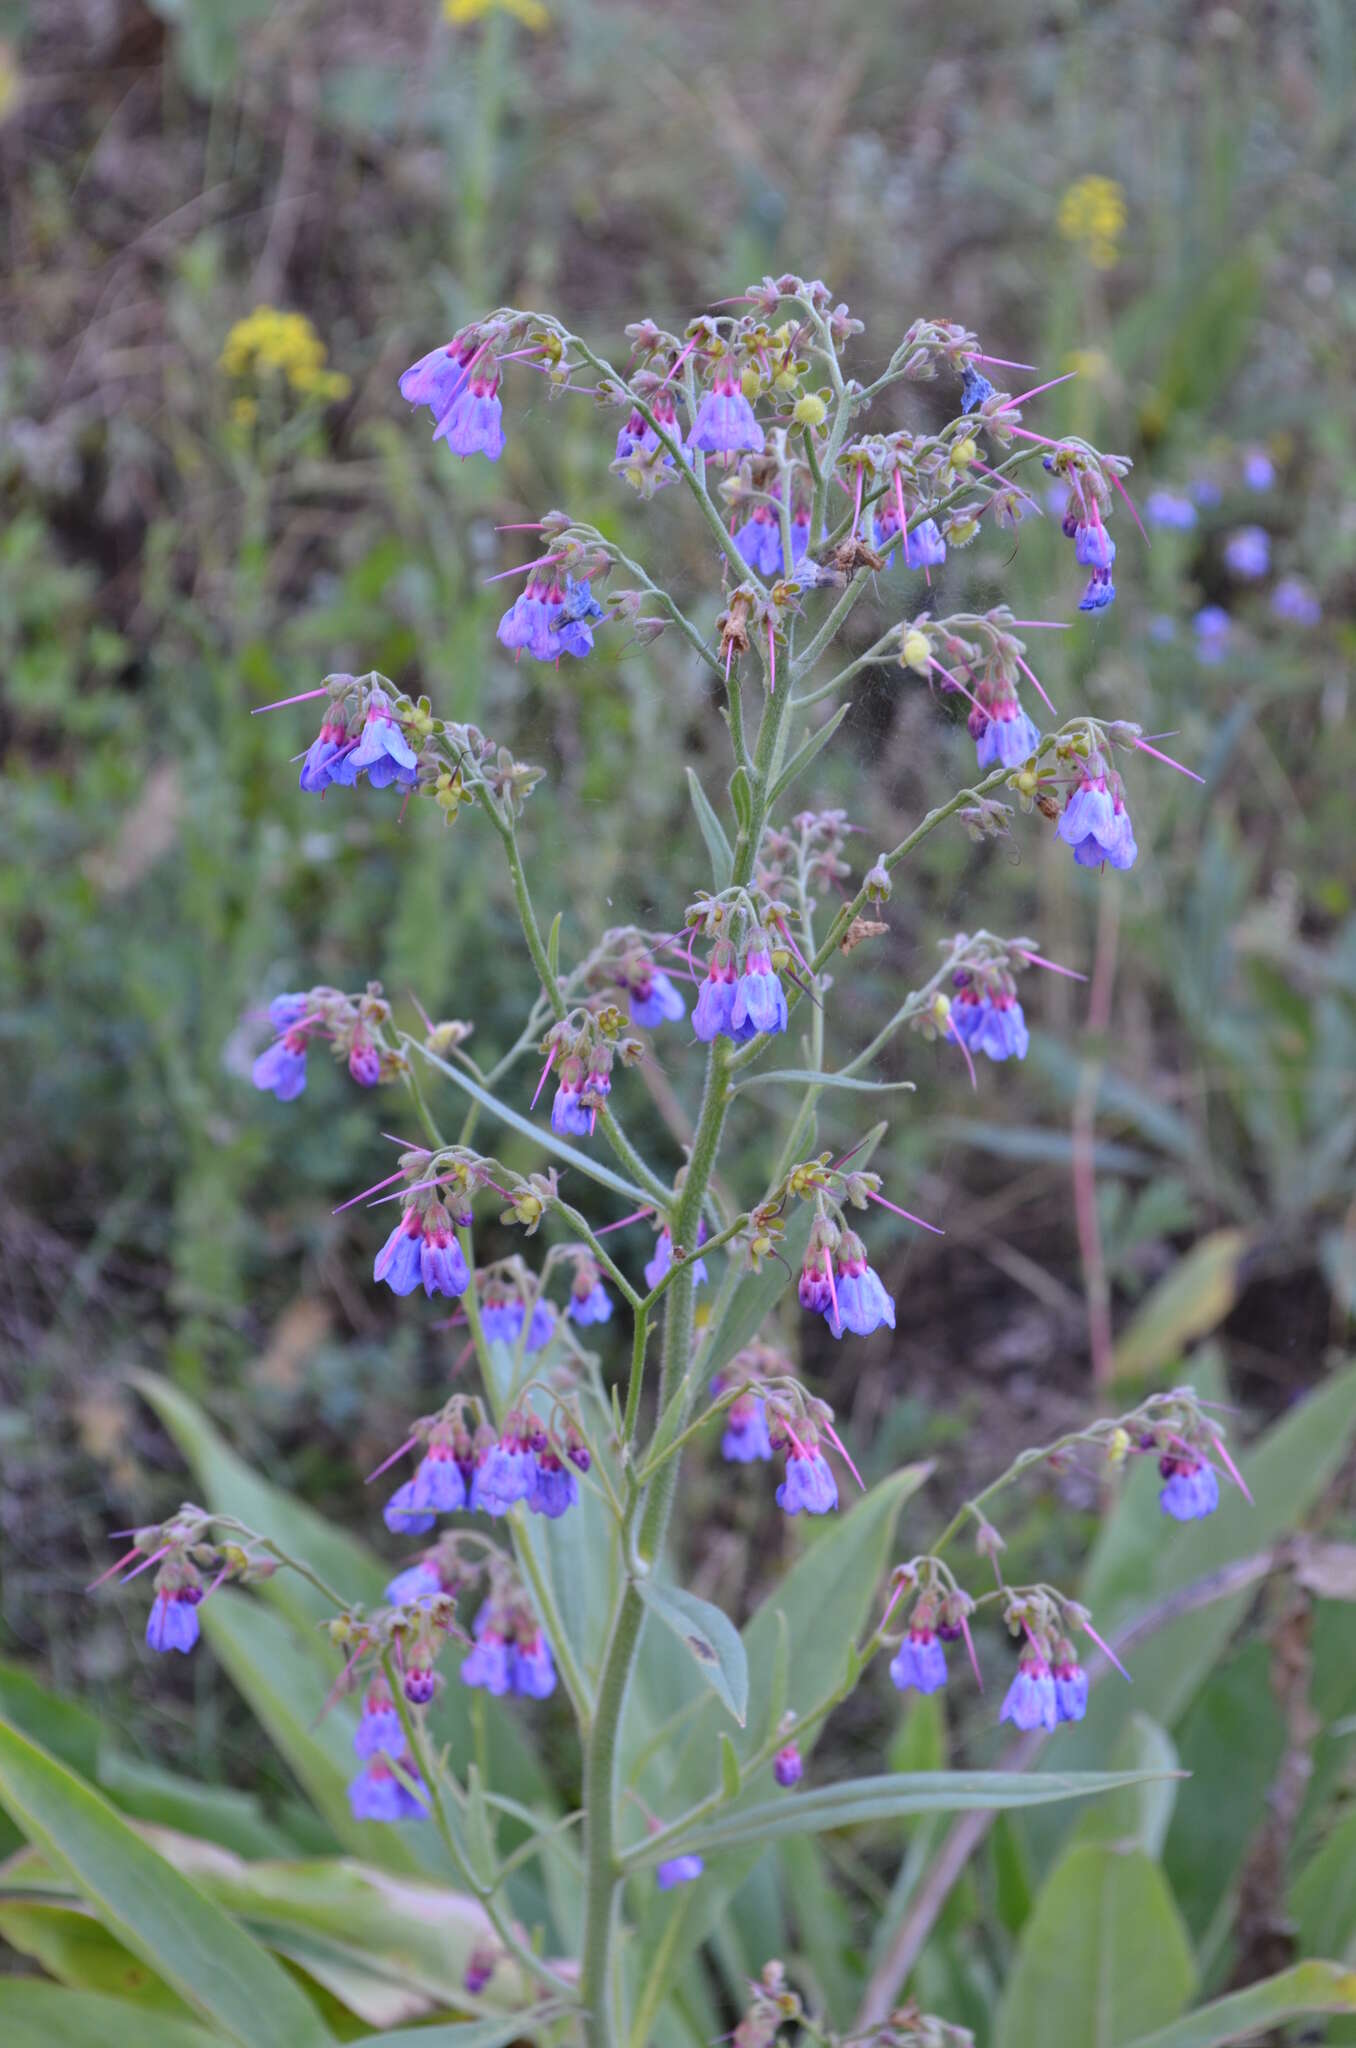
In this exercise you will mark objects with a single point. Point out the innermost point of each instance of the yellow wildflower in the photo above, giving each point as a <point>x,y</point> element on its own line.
<point>1092,214</point>
<point>530,13</point>
<point>269,343</point>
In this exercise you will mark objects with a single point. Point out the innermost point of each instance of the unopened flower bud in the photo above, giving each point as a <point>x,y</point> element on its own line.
<point>879,888</point>
<point>810,410</point>
<point>941,1009</point>
<point>916,651</point>
<point>964,453</point>
<point>1118,1447</point>
<point>447,1036</point>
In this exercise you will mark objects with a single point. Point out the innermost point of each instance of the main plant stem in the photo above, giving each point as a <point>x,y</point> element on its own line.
<point>649,1508</point>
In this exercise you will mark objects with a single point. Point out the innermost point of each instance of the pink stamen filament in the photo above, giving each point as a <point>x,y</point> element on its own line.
<point>1035,392</point>
<point>523,569</point>
<point>1130,503</point>
<point>1048,625</point>
<point>970,1646</point>
<point>116,1566</point>
<point>1167,759</point>
<point>622,1221</point>
<point>1233,1470</point>
<point>394,1458</point>
<point>844,1453</point>
<point>1036,684</point>
<point>375,1188</point>
<point>409,1145</point>
<point>833,1291</point>
<point>1002,363</point>
<point>550,1062</point>
<point>965,1051</point>
<point>302,697</point>
<point>956,684</point>
<point>1052,966</point>
<point>935,1228</point>
<point>154,1558</point>
<point>1107,1651</point>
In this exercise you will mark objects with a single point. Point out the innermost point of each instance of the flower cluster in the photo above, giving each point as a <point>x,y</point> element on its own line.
<point>268,343</point>
<point>580,1050</point>
<point>357,1030</point>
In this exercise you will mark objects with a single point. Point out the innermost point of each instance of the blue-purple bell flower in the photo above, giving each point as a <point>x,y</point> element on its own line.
<point>1071,1692</point>
<point>1009,739</point>
<point>746,1439</point>
<point>1191,1490</point>
<point>1100,592</point>
<point>281,1068</point>
<point>439,1484</point>
<point>919,1664</point>
<point>474,423</point>
<point>759,541</point>
<point>383,753</point>
<point>678,1870</point>
<point>924,547</point>
<point>532,1671</point>
<point>377,1793</point>
<point>172,1623</point>
<point>713,1013</point>
<point>1093,546</point>
<point>658,1265</point>
<point>504,1476</point>
<point>1031,1701</point>
<point>760,1000</point>
<point>594,1305</point>
<point>725,423</point>
<point>1097,826</point>
<point>553,1487</point>
<point>378,1732</point>
<point>655,1000</point>
<point>975,388</point>
<point>405,1515</point>
<point>437,380</point>
<point>809,1486</point>
<point>398,1262</point>
<point>415,1585</point>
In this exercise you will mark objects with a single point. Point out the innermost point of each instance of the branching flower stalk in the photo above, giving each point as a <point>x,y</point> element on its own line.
<point>808,505</point>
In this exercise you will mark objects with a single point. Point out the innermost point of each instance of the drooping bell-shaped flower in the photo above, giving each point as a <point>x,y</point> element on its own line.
<point>172,1623</point>
<point>746,1437</point>
<point>590,1303</point>
<point>924,547</point>
<point>809,1486</point>
<point>1093,546</point>
<point>975,388</point>
<point>569,1117</point>
<point>398,1262</point>
<point>383,753</point>
<point>281,1068</point>
<point>759,541</point>
<point>712,1015</point>
<point>553,1488</point>
<point>442,1263</point>
<point>1099,593</point>
<point>862,1303</point>
<point>1096,824</point>
<point>919,1664</point>
<point>327,751</point>
<point>1031,1701</point>
<point>725,422</point>
<point>378,1731</point>
<point>1191,1490</point>
<point>438,379</point>
<point>1009,738</point>
<point>991,1022</point>
<point>532,1671</point>
<point>678,1870</point>
<point>378,1794</point>
<point>405,1515</point>
<point>439,1485</point>
<point>474,422</point>
<point>788,1766</point>
<point>415,1585</point>
<point>760,1000</point>
<point>504,1474</point>
<point>1071,1691</point>
<point>654,998</point>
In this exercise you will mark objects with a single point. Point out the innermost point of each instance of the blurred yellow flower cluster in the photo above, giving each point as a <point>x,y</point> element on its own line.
<point>269,343</point>
<point>10,81</point>
<point>530,13</point>
<point>1092,213</point>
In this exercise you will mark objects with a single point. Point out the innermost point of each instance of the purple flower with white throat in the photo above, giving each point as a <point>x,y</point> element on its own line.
<point>172,1623</point>
<point>919,1664</point>
<point>1191,1490</point>
<point>1096,824</point>
<point>678,1870</point>
<point>399,1262</point>
<point>281,1069</point>
<point>760,1000</point>
<point>382,753</point>
<point>725,423</point>
<point>746,1439</point>
<point>1031,1701</point>
<point>474,423</point>
<point>809,1486</point>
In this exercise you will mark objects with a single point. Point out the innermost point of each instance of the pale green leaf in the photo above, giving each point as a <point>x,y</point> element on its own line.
<point>808,751</point>
<point>540,1134</point>
<point>199,1950</point>
<point>713,832</point>
<point>1322,1899</point>
<point>806,1077</point>
<point>710,1638</point>
<point>865,1802</point>
<point>1137,1816</point>
<point>77,1949</point>
<point>1193,1299</point>
<point>1313,1987</point>
<point>1104,1954</point>
<point>37,2015</point>
<point>528,2026</point>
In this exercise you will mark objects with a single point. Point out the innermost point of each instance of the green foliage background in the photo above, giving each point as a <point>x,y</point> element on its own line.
<point>166,566</point>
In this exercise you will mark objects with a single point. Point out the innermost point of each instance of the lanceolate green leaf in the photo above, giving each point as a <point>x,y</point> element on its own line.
<point>711,1638</point>
<point>199,1950</point>
<point>37,2015</point>
<point>807,752</point>
<point>1294,1994</point>
<point>528,2026</point>
<point>1104,1953</point>
<point>540,1134</point>
<point>713,832</point>
<point>807,1077</point>
<point>863,1802</point>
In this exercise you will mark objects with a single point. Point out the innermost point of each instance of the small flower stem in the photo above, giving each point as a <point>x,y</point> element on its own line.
<point>640,1334</point>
